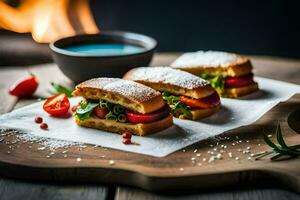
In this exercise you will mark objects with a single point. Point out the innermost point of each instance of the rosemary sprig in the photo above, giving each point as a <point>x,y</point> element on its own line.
<point>279,151</point>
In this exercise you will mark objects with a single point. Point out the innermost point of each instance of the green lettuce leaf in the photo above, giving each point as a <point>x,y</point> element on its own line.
<point>85,109</point>
<point>176,105</point>
<point>116,112</point>
<point>217,81</point>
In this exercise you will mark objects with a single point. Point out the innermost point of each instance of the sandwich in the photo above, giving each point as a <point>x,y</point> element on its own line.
<point>118,105</point>
<point>230,74</point>
<point>188,96</point>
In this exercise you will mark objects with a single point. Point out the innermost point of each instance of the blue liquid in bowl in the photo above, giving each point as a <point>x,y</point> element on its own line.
<point>104,49</point>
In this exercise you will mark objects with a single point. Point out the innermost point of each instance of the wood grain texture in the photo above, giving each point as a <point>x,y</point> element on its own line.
<point>20,49</point>
<point>284,69</point>
<point>277,68</point>
<point>263,67</point>
<point>16,189</point>
<point>289,70</point>
<point>174,171</point>
<point>46,74</point>
<point>13,190</point>
<point>8,77</point>
<point>125,193</point>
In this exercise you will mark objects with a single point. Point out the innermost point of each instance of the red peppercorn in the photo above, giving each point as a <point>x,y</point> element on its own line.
<point>126,141</point>
<point>127,135</point>
<point>38,120</point>
<point>44,126</point>
<point>74,108</point>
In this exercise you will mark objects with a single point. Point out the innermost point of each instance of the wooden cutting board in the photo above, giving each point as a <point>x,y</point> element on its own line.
<point>190,168</point>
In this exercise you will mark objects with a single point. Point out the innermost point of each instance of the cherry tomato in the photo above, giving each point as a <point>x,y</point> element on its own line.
<point>38,120</point>
<point>127,135</point>
<point>100,112</point>
<point>44,126</point>
<point>24,88</point>
<point>234,82</point>
<point>134,117</point>
<point>57,105</point>
<point>126,141</point>
<point>207,102</point>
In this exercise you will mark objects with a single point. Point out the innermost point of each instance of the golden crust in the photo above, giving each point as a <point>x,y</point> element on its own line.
<point>234,70</point>
<point>202,113</point>
<point>198,88</point>
<point>194,93</point>
<point>240,66</point>
<point>241,91</point>
<point>118,127</point>
<point>129,94</point>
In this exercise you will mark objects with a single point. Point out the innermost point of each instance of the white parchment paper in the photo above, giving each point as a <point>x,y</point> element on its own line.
<point>235,113</point>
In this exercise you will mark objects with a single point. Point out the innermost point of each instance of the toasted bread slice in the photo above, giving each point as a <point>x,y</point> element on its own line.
<point>171,80</point>
<point>228,64</point>
<point>129,94</point>
<point>201,113</point>
<point>241,91</point>
<point>119,127</point>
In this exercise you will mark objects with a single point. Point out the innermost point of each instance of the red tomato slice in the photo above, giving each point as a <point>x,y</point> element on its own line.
<point>234,82</point>
<point>100,112</point>
<point>207,102</point>
<point>24,88</point>
<point>134,117</point>
<point>57,105</point>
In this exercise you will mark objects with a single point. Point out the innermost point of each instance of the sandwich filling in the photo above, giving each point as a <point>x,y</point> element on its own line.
<point>219,81</point>
<point>230,74</point>
<point>105,110</point>
<point>181,106</point>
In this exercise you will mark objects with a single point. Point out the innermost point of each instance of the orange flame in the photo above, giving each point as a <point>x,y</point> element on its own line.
<point>48,20</point>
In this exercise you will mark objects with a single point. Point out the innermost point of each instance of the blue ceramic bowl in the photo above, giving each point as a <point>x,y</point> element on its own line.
<point>82,66</point>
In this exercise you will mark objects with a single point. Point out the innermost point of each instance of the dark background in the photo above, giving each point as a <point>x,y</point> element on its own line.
<point>270,27</point>
<point>248,27</point>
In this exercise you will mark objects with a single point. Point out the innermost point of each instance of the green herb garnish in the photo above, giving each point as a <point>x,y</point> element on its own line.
<point>217,81</point>
<point>103,103</point>
<point>176,105</point>
<point>85,109</point>
<point>62,89</point>
<point>118,109</point>
<point>281,150</point>
<point>116,112</point>
<point>111,116</point>
<point>122,118</point>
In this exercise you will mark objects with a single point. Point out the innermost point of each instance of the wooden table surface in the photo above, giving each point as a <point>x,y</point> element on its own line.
<point>270,67</point>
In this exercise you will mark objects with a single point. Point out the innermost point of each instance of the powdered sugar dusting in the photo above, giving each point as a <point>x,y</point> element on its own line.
<point>130,89</point>
<point>169,76</point>
<point>206,58</point>
<point>49,143</point>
